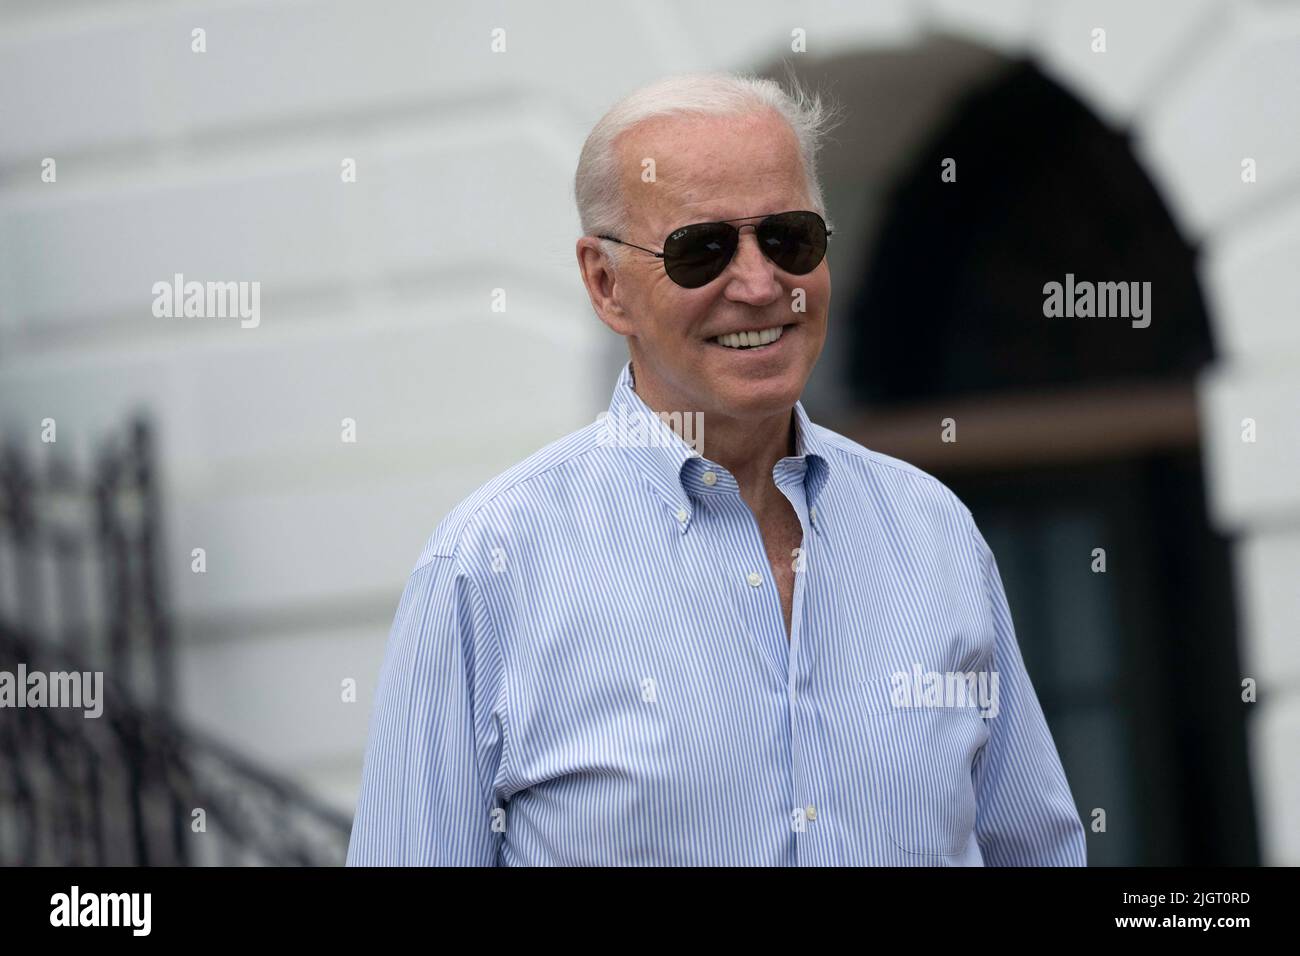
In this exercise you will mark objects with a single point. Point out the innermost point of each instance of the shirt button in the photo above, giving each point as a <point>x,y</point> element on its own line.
<point>710,478</point>
<point>754,579</point>
<point>682,515</point>
<point>812,513</point>
<point>810,812</point>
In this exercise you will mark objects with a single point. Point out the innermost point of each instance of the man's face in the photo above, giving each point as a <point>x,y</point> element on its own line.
<point>712,169</point>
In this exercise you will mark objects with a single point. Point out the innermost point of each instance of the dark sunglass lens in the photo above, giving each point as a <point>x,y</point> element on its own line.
<point>795,241</point>
<point>696,255</point>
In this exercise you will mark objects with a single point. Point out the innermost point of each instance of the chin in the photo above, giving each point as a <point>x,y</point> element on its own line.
<point>758,398</point>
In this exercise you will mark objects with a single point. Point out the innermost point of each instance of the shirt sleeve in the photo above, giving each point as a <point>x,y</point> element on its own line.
<point>437,732</point>
<point>1025,814</point>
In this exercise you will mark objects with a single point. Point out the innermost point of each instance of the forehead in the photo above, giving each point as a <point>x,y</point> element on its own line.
<point>711,168</point>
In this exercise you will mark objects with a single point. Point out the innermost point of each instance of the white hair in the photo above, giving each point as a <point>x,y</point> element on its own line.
<point>597,185</point>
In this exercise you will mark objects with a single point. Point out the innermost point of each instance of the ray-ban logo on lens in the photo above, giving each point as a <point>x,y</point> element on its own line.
<point>1125,300</point>
<point>965,689</point>
<point>209,300</point>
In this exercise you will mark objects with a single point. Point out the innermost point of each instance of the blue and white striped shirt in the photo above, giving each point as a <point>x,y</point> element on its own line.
<point>590,666</point>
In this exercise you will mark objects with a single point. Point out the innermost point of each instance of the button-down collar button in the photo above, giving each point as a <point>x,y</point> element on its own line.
<point>754,579</point>
<point>812,513</point>
<point>682,515</point>
<point>710,477</point>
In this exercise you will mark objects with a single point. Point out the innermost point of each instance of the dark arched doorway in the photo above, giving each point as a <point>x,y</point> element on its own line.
<point>1073,434</point>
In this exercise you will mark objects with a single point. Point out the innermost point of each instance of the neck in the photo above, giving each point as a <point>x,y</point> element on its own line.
<point>748,448</point>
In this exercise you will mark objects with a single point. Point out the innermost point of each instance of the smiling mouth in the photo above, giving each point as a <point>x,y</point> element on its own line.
<point>745,341</point>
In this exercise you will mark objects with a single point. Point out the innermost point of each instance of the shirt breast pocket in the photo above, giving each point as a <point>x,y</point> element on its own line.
<point>920,759</point>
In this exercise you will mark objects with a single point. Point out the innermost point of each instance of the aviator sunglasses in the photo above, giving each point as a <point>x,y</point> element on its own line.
<point>695,255</point>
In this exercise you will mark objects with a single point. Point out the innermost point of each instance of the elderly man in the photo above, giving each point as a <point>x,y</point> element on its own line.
<point>749,643</point>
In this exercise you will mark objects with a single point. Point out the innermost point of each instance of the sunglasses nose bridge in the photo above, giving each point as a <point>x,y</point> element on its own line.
<point>752,232</point>
<point>744,261</point>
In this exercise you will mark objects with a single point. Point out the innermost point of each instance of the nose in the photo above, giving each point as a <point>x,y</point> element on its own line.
<point>753,276</point>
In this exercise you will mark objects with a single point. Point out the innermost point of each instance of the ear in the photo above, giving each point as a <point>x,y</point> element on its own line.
<point>603,285</point>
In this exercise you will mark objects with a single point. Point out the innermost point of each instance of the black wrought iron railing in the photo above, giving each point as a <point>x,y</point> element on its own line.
<point>81,593</point>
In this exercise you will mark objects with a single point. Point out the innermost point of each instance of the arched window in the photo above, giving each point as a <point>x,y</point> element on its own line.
<point>1076,437</point>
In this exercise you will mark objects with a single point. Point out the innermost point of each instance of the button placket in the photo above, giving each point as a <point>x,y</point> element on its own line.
<point>806,761</point>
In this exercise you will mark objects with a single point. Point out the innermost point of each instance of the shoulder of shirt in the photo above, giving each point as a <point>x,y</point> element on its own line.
<point>907,477</point>
<point>488,497</point>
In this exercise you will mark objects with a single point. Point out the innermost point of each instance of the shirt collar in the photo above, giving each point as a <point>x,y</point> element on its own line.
<point>672,464</point>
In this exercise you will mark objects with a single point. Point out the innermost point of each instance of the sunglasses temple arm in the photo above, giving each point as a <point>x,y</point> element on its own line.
<point>630,245</point>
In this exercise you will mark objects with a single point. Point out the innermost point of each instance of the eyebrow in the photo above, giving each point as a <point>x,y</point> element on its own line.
<point>718,217</point>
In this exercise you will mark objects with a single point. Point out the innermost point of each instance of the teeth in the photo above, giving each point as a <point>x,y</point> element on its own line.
<point>749,340</point>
